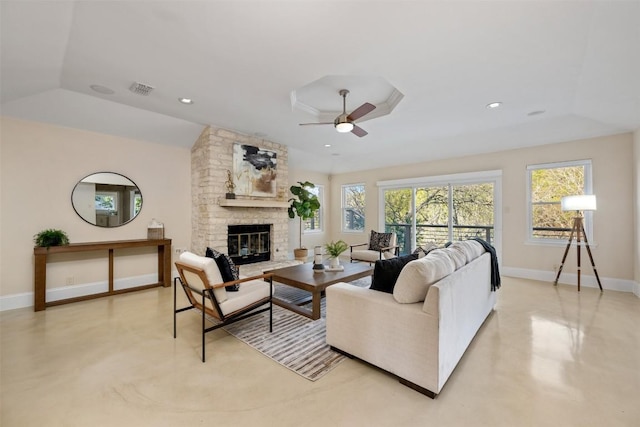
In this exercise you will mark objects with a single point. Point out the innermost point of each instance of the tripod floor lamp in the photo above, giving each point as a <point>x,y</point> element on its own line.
<point>579,204</point>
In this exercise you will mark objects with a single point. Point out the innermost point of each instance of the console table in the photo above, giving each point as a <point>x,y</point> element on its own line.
<point>40,275</point>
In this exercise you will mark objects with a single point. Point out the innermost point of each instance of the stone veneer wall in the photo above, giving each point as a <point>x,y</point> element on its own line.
<point>211,157</point>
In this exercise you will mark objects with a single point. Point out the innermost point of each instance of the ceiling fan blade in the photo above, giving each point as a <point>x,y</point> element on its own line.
<point>323,123</point>
<point>357,130</point>
<point>361,111</point>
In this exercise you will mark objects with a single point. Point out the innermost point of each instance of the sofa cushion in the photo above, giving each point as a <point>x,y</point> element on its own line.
<point>416,277</point>
<point>210,269</point>
<point>457,255</point>
<point>228,269</point>
<point>470,248</point>
<point>378,241</point>
<point>386,272</point>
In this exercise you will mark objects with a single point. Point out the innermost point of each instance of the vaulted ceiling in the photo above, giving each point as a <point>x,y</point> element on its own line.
<point>563,70</point>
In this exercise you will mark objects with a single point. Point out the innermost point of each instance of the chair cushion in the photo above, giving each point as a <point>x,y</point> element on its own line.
<point>228,269</point>
<point>366,255</point>
<point>416,277</point>
<point>386,272</point>
<point>378,241</point>
<point>210,269</point>
<point>250,292</point>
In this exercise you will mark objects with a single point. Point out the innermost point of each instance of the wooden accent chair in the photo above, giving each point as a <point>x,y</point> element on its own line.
<point>375,252</point>
<point>202,283</point>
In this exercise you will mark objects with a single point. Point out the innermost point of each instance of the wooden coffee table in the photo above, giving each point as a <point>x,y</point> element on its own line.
<point>302,277</point>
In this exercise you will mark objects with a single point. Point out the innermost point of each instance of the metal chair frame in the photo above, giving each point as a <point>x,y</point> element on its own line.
<point>207,293</point>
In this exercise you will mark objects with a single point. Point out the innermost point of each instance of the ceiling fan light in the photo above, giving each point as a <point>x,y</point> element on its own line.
<point>344,127</point>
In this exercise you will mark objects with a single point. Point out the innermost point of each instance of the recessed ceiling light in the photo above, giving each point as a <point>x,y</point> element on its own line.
<point>327,145</point>
<point>187,101</point>
<point>494,105</point>
<point>102,89</point>
<point>536,113</point>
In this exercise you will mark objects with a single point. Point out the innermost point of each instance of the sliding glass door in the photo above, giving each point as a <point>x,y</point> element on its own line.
<point>421,213</point>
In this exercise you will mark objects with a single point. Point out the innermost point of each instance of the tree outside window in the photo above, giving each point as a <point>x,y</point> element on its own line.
<point>421,215</point>
<point>548,184</point>
<point>353,204</point>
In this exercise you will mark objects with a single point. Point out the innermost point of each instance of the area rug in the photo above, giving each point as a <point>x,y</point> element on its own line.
<point>297,342</point>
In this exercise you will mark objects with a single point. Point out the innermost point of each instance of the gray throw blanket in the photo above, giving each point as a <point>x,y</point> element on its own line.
<point>495,273</point>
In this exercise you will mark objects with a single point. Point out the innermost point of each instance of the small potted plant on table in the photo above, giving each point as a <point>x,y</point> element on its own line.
<point>51,237</point>
<point>334,249</point>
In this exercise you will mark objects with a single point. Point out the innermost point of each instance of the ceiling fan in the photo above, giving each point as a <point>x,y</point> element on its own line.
<point>345,122</point>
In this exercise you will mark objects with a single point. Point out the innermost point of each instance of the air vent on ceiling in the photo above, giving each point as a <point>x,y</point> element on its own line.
<point>141,88</point>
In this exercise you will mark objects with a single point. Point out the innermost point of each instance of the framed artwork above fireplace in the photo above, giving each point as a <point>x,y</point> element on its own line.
<point>254,171</point>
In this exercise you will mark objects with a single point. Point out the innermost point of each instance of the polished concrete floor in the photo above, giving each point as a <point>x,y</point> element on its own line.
<point>546,357</point>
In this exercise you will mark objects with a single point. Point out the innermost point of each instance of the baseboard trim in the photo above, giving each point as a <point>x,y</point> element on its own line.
<point>22,300</point>
<point>588,281</point>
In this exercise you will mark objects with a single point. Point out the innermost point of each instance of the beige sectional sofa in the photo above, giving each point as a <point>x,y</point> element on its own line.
<point>419,341</point>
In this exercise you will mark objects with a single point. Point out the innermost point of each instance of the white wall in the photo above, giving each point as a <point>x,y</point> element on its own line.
<point>613,245</point>
<point>636,180</point>
<point>39,166</point>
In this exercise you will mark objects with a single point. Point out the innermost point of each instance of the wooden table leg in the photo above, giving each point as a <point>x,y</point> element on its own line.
<point>110,270</point>
<point>40,283</point>
<point>164,265</point>
<point>315,305</point>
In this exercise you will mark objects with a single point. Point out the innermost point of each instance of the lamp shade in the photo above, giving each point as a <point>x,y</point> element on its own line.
<point>586,202</point>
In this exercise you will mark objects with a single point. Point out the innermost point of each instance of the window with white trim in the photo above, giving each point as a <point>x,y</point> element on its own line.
<point>547,185</point>
<point>353,203</point>
<point>440,209</point>
<point>315,224</point>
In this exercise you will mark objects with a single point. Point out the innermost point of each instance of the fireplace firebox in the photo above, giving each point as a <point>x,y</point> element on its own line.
<point>249,243</point>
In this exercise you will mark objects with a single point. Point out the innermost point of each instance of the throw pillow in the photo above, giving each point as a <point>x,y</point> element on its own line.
<point>414,280</point>
<point>424,250</point>
<point>228,269</point>
<point>386,272</point>
<point>378,241</point>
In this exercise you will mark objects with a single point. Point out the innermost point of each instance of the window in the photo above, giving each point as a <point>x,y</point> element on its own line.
<point>315,225</point>
<point>548,183</point>
<point>107,201</point>
<point>353,196</point>
<point>441,209</point>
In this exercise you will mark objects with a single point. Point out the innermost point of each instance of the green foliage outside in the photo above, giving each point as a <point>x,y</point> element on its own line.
<point>471,213</point>
<point>548,186</point>
<point>354,204</point>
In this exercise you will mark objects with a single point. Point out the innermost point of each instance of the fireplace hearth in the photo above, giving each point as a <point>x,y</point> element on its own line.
<point>249,243</point>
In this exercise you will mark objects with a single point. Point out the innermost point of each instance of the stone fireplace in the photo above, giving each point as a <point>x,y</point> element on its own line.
<point>212,214</point>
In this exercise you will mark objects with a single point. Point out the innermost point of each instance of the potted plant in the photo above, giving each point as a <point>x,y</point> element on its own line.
<point>334,249</point>
<point>51,237</point>
<point>303,204</point>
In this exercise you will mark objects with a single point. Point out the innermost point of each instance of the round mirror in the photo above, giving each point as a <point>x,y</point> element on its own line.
<point>106,199</point>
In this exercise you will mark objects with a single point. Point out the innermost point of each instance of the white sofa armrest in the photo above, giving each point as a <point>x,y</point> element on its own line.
<point>371,325</point>
<point>463,300</point>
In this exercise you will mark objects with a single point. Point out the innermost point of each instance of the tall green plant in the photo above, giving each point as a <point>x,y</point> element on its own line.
<point>303,204</point>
